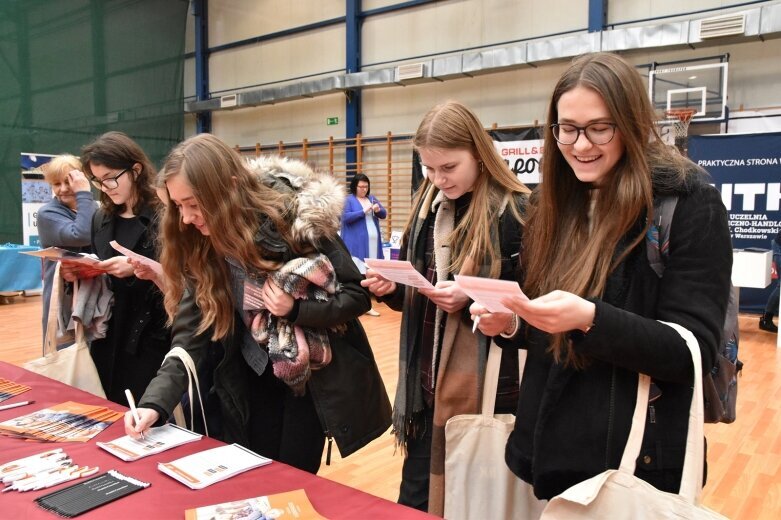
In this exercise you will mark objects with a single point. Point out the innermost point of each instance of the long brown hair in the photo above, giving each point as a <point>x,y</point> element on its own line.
<point>232,200</point>
<point>451,126</point>
<point>562,252</point>
<point>118,151</point>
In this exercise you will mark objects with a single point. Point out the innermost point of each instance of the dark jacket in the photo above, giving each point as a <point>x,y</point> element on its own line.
<point>573,424</point>
<point>137,337</point>
<point>349,396</point>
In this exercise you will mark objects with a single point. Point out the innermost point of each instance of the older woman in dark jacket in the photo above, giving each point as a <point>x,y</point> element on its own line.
<point>221,260</point>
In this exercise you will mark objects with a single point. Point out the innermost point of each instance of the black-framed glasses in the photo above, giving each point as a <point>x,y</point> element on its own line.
<point>597,133</point>
<point>110,183</point>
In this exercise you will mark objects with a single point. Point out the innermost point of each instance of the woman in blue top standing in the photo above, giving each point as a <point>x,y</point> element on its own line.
<point>361,222</point>
<point>65,220</point>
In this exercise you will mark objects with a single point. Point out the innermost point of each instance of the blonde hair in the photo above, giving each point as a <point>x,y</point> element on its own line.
<point>453,126</point>
<point>59,166</point>
<point>233,202</point>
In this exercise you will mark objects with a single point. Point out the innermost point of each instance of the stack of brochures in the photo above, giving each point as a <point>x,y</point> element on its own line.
<point>65,422</point>
<point>9,388</point>
<point>293,505</point>
<point>210,466</point>
<point>156,440</point>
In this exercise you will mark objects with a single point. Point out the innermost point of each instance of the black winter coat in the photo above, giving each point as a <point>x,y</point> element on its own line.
<point>349,396</point>
<point>137,337</point>
<point>573,424</point>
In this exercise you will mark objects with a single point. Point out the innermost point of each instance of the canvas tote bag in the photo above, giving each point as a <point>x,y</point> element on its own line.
<point>192,377</point>
<point>478,483</point>
<point>619,494</point>
<point>72,365</point>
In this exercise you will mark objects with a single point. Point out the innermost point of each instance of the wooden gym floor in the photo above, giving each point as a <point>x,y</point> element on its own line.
<point>744,458</point>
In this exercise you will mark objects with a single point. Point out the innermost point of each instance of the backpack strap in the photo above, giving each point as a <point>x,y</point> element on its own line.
<point>657,238</point>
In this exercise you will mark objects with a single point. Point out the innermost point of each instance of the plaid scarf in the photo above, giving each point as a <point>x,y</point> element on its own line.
<point>296,351</point>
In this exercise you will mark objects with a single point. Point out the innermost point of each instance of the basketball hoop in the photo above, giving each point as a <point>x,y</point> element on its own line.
<point>681,117</point>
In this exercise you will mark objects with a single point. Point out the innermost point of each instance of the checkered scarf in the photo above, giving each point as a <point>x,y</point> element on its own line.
<point>296,351</point>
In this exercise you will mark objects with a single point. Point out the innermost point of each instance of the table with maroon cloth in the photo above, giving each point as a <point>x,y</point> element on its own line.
<point>166,498</point>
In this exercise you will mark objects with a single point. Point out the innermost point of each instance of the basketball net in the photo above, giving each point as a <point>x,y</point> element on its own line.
<point>681,117</point>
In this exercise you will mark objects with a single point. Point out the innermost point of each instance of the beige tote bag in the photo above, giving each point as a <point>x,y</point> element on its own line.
<point>478,483</point>
<point>619,494</point>
<point>72,365</point>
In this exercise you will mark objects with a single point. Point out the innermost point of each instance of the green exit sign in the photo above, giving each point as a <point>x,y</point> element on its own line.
<point>331,121</point>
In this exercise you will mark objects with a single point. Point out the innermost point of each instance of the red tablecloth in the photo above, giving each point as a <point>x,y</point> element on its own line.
<point>166,498</point>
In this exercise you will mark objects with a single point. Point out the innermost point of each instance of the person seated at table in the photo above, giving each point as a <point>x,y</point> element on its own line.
<point>256,275</point>
<point>137,337</point>
<point>65,220</point>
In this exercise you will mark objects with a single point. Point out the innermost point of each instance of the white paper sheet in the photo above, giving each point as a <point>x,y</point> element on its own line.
<point>398,271</point>
<point>152,264</point>
<point>156,440</point>
<point>489,292</point>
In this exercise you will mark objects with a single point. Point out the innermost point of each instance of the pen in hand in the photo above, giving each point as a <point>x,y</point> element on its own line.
<point>476,323</point>
<point>132,403</point>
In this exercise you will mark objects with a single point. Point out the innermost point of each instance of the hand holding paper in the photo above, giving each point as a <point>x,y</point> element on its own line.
<point>490,292</point>
<point>144,268</point>
<point>399,271</point>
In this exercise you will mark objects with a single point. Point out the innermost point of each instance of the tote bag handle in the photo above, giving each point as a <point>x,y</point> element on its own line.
<point>491,382</point>
<point>192,375</point>
<point>693,463</point>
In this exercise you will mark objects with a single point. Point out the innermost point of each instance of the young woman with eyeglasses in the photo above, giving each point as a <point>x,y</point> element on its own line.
<point>136,338</point>
<point>589,323</point>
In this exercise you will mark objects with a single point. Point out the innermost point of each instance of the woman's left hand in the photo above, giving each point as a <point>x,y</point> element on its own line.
<point>557,311</point>
<point>117,266</point>
<point>447,295</point>
<point>278,302</point>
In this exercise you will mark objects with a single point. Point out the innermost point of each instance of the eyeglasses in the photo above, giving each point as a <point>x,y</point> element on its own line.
<point>596,133</point>
<point>109,183</point>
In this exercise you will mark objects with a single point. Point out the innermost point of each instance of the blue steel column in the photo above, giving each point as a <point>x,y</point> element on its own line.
<point>353,64</point>
<point>201,14</point>
<point>597,15</point>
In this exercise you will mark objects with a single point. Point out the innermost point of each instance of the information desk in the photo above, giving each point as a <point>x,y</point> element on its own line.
<point>167,498</point>
<point>19,272</point>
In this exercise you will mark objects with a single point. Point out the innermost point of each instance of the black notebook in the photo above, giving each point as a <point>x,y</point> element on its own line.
<point>86,496</point>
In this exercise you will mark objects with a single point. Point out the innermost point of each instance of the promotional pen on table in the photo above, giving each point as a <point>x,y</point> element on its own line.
<point>132,403</point>
<point>14,405</point>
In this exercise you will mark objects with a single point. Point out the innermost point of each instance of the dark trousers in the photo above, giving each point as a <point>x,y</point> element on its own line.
<point>283,426</point>
<point>413,491</point>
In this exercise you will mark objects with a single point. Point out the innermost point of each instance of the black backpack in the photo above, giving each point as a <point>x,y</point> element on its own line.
<point>720,386</point>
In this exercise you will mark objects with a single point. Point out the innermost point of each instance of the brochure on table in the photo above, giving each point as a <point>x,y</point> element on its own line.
<point>204,468</point>
<point>156,440</point>
<point>292,505</point>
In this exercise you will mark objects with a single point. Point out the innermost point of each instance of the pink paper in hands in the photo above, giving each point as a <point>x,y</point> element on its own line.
<point>147,262</point>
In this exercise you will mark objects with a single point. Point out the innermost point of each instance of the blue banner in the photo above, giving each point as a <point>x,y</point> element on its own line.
<point>746,168</point>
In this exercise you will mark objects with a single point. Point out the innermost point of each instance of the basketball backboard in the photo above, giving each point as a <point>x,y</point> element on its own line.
<point>697,86</point>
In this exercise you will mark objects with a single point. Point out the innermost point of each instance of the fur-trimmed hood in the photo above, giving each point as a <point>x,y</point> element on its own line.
<point>319,197</point>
